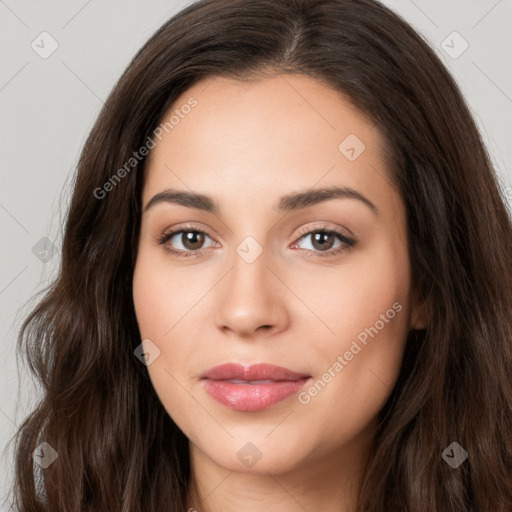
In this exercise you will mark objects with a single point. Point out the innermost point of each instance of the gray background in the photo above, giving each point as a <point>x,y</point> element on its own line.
<point>48,105</point>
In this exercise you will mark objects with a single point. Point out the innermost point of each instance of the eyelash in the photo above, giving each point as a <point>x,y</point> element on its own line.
<point>348,243</point>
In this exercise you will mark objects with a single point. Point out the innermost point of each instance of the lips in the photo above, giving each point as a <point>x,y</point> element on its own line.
<point>251,388</point>
<point>251,373</point>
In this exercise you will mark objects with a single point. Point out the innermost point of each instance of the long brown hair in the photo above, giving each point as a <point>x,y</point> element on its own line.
<point>118,449</point>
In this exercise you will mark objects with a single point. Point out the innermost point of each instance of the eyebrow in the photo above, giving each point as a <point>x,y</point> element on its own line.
<point>289,202</point>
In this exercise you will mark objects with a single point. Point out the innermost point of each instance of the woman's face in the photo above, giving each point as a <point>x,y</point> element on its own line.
<point>270,268</point>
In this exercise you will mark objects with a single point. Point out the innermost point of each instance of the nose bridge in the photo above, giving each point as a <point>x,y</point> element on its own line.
<point>250,257</point>
<point>249,279</point>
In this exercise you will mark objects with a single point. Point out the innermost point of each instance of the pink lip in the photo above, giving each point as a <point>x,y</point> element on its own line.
<point>251,397</point>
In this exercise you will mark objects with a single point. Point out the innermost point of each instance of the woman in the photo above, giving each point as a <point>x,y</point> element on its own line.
<point>285,282</point>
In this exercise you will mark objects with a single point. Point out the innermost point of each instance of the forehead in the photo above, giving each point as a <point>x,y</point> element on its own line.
<point>264,136</point>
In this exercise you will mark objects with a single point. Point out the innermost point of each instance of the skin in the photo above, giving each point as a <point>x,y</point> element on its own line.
<point>246,144</point>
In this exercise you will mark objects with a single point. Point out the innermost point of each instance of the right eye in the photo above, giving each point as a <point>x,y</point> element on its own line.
<point>191,240</point>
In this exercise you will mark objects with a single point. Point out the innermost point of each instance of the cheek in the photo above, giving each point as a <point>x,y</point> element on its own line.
<point>150,307</point>
<point>378,315</point>
<point>369,314</point>
<point>162,301</point>
<point>162,294</point>
<point>352,297</point>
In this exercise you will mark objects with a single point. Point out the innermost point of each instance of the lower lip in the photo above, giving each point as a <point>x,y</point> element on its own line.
<point>252,397</point>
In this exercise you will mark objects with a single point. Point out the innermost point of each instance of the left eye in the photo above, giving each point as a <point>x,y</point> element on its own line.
<point>325,241</point>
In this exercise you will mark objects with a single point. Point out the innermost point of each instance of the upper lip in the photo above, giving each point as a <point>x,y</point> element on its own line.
<point>260,371</point>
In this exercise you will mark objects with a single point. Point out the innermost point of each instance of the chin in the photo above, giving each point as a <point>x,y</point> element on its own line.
<point>257,458</point>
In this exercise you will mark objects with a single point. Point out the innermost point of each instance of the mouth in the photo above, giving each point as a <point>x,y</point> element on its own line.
<point>251,388</point>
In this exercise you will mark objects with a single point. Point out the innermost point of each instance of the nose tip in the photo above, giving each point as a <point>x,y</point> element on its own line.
<point>249,301</point>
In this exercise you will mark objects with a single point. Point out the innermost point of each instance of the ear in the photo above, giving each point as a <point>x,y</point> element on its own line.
<point>419,317</point>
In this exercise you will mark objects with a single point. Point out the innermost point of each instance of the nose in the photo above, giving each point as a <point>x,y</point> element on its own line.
<point>251,300</point>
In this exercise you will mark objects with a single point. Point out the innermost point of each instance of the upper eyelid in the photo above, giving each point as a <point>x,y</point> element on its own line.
<point>323,227</point>
<point>302,231</point>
